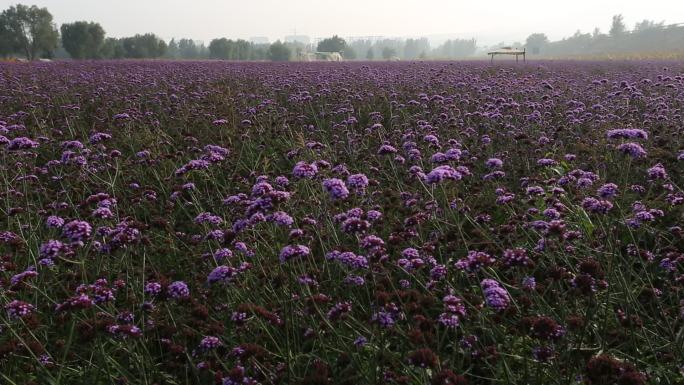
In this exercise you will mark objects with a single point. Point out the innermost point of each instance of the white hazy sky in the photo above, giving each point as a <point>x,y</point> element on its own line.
<point>490,21</point>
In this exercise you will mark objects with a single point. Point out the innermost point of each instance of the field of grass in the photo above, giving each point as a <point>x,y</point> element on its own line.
<point>342,223</point>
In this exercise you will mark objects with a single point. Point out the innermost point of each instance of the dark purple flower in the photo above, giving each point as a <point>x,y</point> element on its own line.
<point>355,225</point>
<point>529,283</point>
<point>153,288</point>
<point>339,310</point>
<point>336,188</point>
<point>386,149</point>
<point>442,173</point>
<point>305,170</point>
<point>293,251</point>
<point>494,163</point>
<point>99,137</point>
<point>516,257</point>
<point>632,149</point>
<point>657,172</point>
<point>209,343</point>
<point>627,133</point>
<point>223,254</point>
<point>546,162</point>
<point>52,249</point>
<point>77,231</point>
<point>54,222</point>
<point>178,289</point>
<point>223,274</point>
<point>18,309</point>
<point>357,182</point>
<point>596,206</point>
<point>209,218</point>
<point>474,261</point>
<point>496,296</point>
<point>608,190</point>
<point>22,143</point>
<point>384,319</point>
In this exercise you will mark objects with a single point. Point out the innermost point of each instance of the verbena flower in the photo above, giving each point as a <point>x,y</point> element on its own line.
<point>496,296</point>
<point>178,290</point>
<point>305,170</point>
<point>336,188</point>
<point>77,231</point>
<point>293,251</point>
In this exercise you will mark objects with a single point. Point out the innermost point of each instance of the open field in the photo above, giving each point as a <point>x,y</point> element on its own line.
<point>342,223</point>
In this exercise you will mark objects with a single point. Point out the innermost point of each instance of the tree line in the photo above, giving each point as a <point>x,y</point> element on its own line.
<point>646,36</point>
<point>31,32</point>
<point>405,49</point>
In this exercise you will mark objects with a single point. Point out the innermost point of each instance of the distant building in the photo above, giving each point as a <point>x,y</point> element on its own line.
<point>303,39</point>
<point>259,40</point>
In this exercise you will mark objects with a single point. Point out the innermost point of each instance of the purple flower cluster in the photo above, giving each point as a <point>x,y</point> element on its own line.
<point>18,309</point>
<point>608,190</point>
<point>54,222</point>
<point>657,172</point>
<point>496,296</point>
<point>474,261</point>
<point>77,231</point>
<point>293,251</point>
<point>209,218</point>
<point>348,259</point>
<point>226,274</point>
<point>210,343</point>
<point>632,149</point>
<point>442,173</point>
<point>627,133</point>
<point>494,163</point>
<point>596,206</point>
<point>454,311</point>
<point>336,188</point>
<point>22,143</point>
<point>178,290</point>
<point>357,183</point>
<point>305,170</point>
<point>516,257</point>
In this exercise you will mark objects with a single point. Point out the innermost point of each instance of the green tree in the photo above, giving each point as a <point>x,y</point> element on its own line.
<point>219,48</point>
<point>618,27</point>
<point>188,49</point>
<point>349,53</point>
<point>457,48</point>
<point>144,46</point>
<point>279,51</point>
<point>648,24</point>
<point>8,43</point>
<point>172,49</point>
<point>113,49</point>
<point>332,44</point>
<point>414,47</point>
<point>83,40</point>
<point>536,42</point>
<point>369,54</point>
<point>388,53</point>
<point>29,30</point>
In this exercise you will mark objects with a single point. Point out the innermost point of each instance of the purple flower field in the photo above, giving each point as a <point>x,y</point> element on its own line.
<point>347,223</point>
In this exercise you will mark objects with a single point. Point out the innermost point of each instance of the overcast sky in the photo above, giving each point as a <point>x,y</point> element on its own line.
<point>490,21</point>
